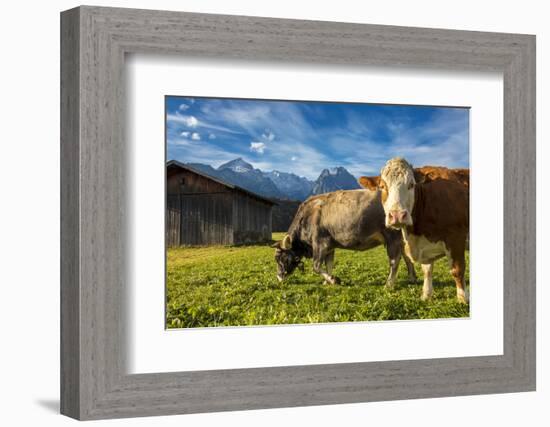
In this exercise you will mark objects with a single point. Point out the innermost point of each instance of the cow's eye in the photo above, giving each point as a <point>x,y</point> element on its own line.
<point>411,185</point>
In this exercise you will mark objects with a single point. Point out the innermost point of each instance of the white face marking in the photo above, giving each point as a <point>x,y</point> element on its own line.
<point>397,180</point>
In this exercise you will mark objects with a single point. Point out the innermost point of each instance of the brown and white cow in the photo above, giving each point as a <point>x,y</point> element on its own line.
<point>433,216</point>
<point>348,219</point>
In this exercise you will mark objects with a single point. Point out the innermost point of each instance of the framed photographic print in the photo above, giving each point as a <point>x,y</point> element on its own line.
<point>261,213</point>
<point>225,214</point>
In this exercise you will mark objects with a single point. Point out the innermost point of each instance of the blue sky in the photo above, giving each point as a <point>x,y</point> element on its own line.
<point>306,137</point>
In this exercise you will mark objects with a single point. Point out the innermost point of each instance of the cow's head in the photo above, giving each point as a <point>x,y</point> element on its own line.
<point>287,259</point>
<point>397,183</point>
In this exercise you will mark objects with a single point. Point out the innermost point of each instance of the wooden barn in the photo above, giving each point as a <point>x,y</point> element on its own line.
<point>203,210</point>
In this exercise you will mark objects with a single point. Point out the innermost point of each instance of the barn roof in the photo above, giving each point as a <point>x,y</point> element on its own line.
<point>175,163</point>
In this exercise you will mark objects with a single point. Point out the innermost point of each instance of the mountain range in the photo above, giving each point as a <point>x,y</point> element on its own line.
<point>334,179</point>
<point>279,185</point>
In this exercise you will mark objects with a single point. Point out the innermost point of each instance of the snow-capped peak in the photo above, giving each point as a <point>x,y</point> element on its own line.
<point>237,165</point>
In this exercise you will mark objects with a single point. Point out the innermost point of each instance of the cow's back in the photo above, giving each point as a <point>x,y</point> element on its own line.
<point>349,217</point>
<point>433,173</point>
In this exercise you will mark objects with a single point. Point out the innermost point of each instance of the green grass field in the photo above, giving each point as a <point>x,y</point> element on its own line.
<point>236,285</point>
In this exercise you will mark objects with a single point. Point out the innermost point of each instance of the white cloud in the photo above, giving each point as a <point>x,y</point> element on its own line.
<point>257,147</point>
<point>258,120</point>
<point>268,135</point>
<point>185,134</point>
<point>189,121</point>
<point>212,136</point>
<point>183,107</point>
<point>193,122</point>
<point>190,151</point>
<point>247,116</point>
<point>180,142</point>
<point>294,158</point>
<point>195,136</point>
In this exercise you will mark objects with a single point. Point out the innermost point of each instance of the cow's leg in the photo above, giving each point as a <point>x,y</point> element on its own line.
<point>394,250</point>
<point>458,269</point>
<point>427,288</point>
<point>394,266</point>
<point>321,255</point>
<point>410,269</point>
<point>329,263</point>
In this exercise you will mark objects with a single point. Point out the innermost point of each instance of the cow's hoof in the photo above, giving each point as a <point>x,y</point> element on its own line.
<point>331,281</point>
<point>462,297</point>
<point>413,280</point>
<point>426,297</point>
<point>389,285</point>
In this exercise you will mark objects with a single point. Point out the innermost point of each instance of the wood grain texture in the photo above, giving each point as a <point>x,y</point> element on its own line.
<point>95,235</point>
<point>70,292</point>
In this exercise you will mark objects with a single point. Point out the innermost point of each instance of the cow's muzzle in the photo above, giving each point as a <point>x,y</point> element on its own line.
<point>398,218</point>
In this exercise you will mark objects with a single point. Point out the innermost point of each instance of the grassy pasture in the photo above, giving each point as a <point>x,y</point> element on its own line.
<point>237,286</point>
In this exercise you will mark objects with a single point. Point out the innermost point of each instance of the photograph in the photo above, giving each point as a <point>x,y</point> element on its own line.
<point>306,212</point>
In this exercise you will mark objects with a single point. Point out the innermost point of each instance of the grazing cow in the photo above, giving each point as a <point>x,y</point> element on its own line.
<point>425,174</point>
<point>348,219</point>
<point>433,217</point>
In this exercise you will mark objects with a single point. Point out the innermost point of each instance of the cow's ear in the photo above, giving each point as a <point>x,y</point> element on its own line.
<point>276,245</point>
<point>369,182</point>
<point>419,177</point>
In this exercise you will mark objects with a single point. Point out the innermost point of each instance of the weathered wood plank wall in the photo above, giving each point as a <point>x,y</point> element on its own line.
<point>173,216</point>
<point>206,219</point>
<point>251,219</point>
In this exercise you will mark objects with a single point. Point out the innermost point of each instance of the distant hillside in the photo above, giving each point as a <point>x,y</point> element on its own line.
<point>279,185</point>
<point>238,172</point>
<point>294,187</point>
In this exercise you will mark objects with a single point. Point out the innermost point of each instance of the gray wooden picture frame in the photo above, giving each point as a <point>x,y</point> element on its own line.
<point>94,381</point>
